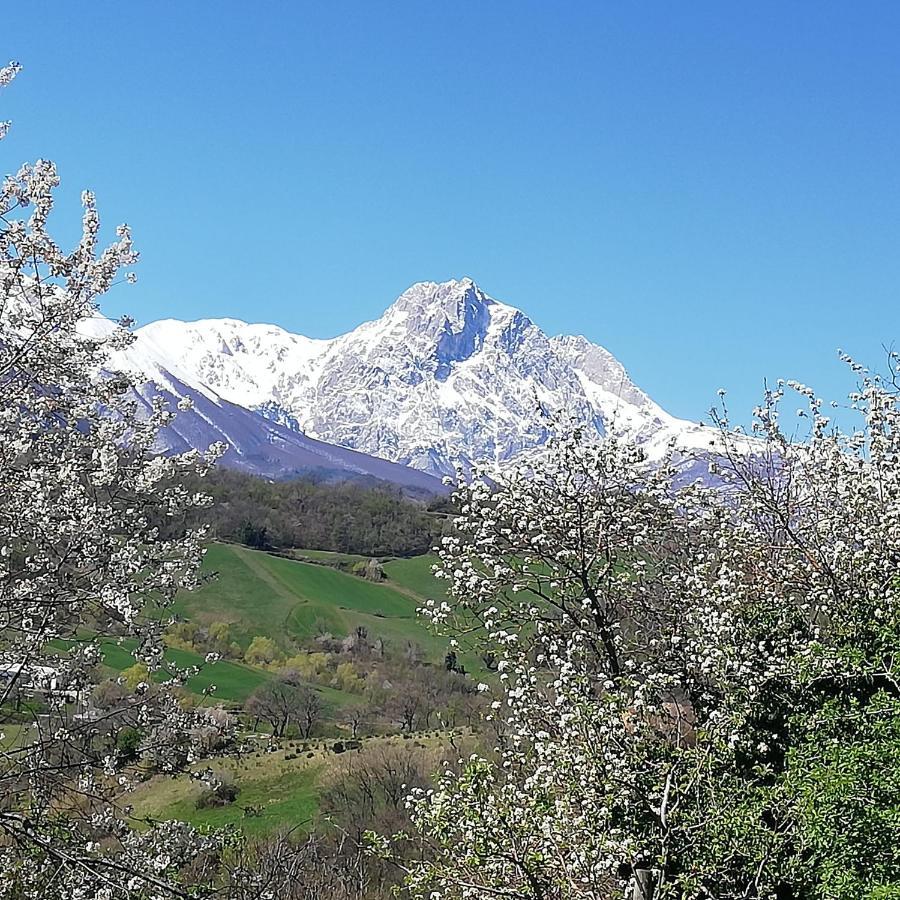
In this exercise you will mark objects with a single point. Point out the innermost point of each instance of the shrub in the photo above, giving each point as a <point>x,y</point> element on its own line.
<point>128,742</point>
<point>262,651</point>
<point>135,675</point>
<point>220,794</point>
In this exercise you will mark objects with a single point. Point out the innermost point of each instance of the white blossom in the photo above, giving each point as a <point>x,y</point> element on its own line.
<point>83,554</point>
<point>641,626</point>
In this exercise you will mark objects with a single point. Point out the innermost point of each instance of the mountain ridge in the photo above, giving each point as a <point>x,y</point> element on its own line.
<point>254,443</point>
<point>447,376</point>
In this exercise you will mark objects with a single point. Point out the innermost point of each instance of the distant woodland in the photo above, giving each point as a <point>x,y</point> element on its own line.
<point>372,520</point>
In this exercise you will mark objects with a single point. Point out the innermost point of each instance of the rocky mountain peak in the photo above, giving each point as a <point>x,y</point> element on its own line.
<point>435,310</point>
<point>431,296</point>
<point>452,321</point>
<point>447,375</point>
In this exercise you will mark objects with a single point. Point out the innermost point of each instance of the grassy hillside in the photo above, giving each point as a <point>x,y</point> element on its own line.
<point>277,789</point>
<point>414,575</point>
<point>281,793</point>
<point>234,681</point>
<point>293,601</point>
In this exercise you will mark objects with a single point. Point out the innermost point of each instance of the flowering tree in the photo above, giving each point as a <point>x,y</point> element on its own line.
<point>81,557</point>
<point>696,683</point>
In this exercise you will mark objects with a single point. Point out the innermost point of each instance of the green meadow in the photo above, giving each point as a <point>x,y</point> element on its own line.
<point>414,575</point>
<point>275,792</point>
<point>276,789</point>
<point>292,601</point>
<point>234,681</point>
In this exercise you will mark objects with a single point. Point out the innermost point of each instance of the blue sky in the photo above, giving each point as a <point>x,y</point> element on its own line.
<point>712,191</point>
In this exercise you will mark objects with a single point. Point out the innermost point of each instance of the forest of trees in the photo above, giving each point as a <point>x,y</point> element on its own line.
<point>369,519</point>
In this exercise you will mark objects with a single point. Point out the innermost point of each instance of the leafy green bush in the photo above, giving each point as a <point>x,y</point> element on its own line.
<point>128,742</point>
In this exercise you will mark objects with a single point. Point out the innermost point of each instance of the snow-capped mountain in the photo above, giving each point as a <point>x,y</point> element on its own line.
<point>254,443</point>
<point>447,375</point>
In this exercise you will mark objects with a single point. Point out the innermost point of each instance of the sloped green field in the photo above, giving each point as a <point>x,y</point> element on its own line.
<point>281,794</point>
<point>293,602</point>
<point>234,681</point>
<point>414,574</point>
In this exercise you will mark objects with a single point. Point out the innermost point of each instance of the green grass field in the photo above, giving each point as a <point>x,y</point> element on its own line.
<point>331,557</point>
<point>280,792</point>
<point>292,601</point>
<point>14,735</point>
<point>234,681</point>
<point>414,574</point>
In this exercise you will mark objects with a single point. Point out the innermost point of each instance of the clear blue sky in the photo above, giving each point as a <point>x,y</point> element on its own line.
<point>711,190</point>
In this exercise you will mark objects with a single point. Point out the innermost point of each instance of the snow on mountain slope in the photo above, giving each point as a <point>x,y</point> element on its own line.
<point>447,375</point>
<point>261,447</point>
<point>254,443</point>
<point>245,363</point>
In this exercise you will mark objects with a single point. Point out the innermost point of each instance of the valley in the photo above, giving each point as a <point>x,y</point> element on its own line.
<point>574,580</point>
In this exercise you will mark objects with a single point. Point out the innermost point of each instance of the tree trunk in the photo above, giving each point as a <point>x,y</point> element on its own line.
<point>644,884</point>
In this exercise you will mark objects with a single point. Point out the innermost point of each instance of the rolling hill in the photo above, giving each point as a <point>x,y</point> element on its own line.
<point>291,601</point>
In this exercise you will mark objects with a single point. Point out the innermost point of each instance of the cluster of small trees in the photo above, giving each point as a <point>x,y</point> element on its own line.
<point>396,690</point>
<point>284,701</point>
<point>217,637</point>
<point>327,668</point>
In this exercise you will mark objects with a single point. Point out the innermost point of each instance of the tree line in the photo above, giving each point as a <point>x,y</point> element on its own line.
<point>350,517</point>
